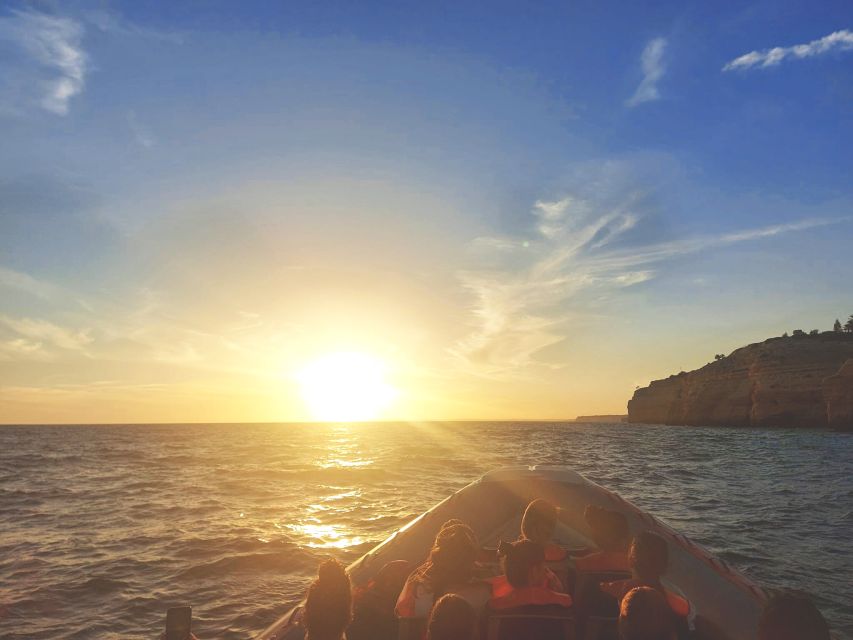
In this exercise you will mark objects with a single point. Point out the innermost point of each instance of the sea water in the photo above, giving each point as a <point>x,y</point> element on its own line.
<point>103,527</point>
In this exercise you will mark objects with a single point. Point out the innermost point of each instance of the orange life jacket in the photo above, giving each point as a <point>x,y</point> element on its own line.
<point>530,595</point>
<point>416,599</point>
<point>619,588</point>
<point>604,561</point>
<point>501,586</point>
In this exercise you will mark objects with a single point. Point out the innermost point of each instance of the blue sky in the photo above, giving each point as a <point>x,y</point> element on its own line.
<point>525,210</point>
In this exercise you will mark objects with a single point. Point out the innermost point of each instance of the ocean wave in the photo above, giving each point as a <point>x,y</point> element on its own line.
<point>225,516</point>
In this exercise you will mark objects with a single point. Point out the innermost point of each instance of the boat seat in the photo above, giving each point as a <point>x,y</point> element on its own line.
<point>543,622</point>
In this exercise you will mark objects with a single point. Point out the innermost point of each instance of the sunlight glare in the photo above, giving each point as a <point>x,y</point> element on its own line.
<point>346,387</point>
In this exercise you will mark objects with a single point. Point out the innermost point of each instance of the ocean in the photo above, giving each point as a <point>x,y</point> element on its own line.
<point>104,527</point>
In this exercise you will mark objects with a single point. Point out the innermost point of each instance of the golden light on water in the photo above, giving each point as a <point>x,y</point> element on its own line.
<point>326,536</point>
<point>346,387</point>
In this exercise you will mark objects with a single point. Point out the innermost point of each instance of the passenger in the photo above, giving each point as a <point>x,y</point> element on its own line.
<point>449,569</point>
<point>610,534</point>
<point>373,604</point>
<point>645,615</point>
<point>790,616</point>
<point>648,557</point>
<point>328,606</point>
<point>539,524</point>
<point>501,585</point>
<point>452,618</point>
<point>526,578</point>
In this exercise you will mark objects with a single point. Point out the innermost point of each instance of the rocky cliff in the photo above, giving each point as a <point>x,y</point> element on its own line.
<point>801,381</point>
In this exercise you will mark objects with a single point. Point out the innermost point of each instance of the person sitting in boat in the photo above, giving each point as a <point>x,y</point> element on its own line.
<point>644,614</point>
<point>526,579</point>
<point>538,525</point>
<point>791,616</point>
<point>328,605</point>
<point>452,618</point>
<point>448,569</point>
<point>546,578</point>
<point>611,536</point>
<point>373,604</point>
<point>648,557</point>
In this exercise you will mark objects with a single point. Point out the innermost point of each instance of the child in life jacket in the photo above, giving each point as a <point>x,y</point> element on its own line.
<point>648,557</point>
<point>448,569</point>
<point>645,615</point>
<point>538,525</point>
<point>610,534</point>
<point>526,579</point>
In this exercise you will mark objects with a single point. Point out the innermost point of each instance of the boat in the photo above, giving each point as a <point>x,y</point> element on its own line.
<point>724,604</point>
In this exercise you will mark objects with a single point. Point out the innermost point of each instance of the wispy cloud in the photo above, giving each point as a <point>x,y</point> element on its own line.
<point>34,334</point>
<point>836,41</point>
<point>580,253</point>
<point>48,66</point>
<point>653,69</point>
<point>11,279</point>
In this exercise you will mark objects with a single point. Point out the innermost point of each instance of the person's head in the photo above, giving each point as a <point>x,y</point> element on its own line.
<point>539,521</point>
<point>523,562</point>
<point>644,614</point>
<point>328,606</point>
<point>451,522</point>
<point>452,557</point>
<point>649,556</point>
<point>790,616</point>
<point>452,618</point>
<point>609,528</point>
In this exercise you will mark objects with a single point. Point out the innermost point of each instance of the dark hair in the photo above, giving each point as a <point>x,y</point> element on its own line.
<point>649,556</point>
<point>519,558</point>
<point>452,618</point>
<point>539,521</point>
<point>791,616</point>
<point>644,614</point>
<point>451,559</point>
<point>328,607</point>
<point>609,528</point>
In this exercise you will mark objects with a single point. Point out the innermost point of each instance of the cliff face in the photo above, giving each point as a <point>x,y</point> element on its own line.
<point>804,381</point>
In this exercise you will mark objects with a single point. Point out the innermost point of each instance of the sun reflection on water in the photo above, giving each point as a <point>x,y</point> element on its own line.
<point>326,536</point>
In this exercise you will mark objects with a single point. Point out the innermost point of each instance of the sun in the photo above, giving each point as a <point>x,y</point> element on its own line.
<point>346,387</point>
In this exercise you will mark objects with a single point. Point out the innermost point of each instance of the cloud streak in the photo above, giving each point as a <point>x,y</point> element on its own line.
<point>652,61</point>
<point>11,279</point>
<point>836,41</point>
<point>49,65</point>
<point>580,255</point>
<point>35,336</point>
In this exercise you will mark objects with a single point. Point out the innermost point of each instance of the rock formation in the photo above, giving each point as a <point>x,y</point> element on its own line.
<point>801,381</point>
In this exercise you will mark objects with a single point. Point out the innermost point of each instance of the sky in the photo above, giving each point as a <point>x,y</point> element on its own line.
<point>512,210</point>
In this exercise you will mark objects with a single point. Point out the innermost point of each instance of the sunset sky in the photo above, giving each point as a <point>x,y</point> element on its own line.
<point>506,211</point>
